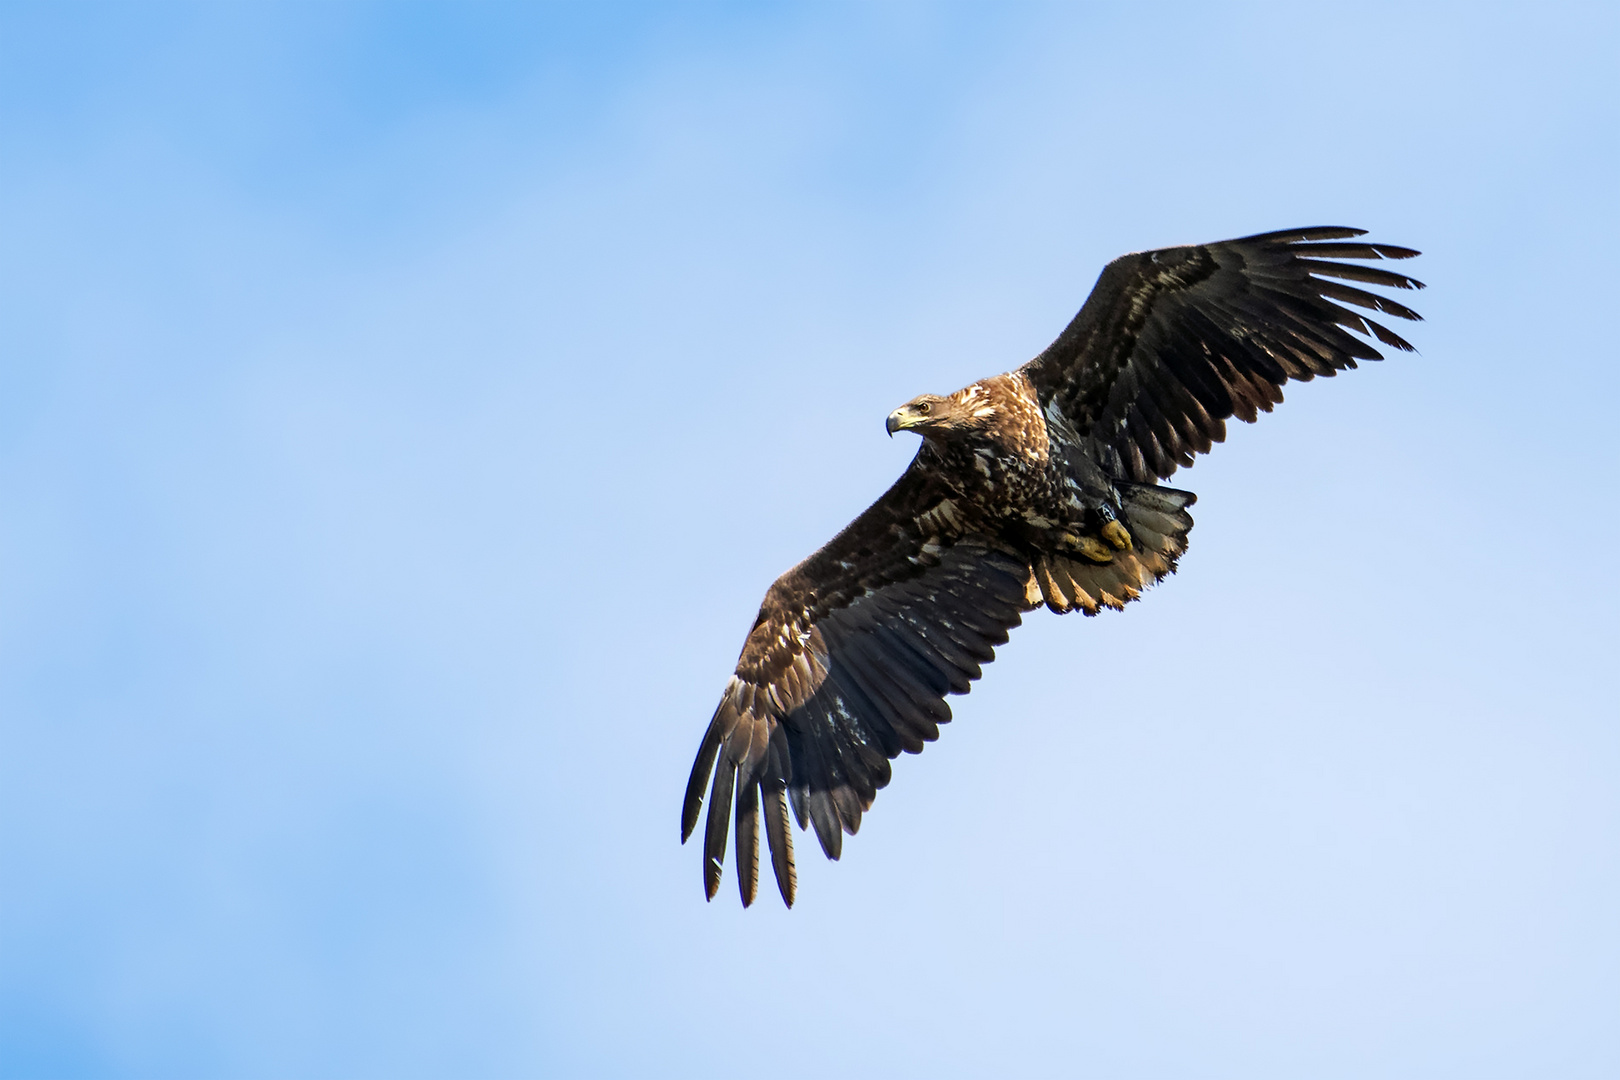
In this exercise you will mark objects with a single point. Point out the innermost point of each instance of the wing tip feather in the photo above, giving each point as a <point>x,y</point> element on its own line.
<point>1306,233</point>
<point>702,766</point>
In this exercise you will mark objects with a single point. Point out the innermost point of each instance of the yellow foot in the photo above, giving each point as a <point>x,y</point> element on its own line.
<point>1089,546</point>
<point>1116,534</point>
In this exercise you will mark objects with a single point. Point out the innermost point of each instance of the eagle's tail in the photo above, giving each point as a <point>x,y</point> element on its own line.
<point>1158,522</point>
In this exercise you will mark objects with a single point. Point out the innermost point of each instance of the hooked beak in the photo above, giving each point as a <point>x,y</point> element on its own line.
<point>892,424</point>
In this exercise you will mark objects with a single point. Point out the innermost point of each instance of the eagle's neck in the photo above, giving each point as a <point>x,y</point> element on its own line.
<point>1003,462</point>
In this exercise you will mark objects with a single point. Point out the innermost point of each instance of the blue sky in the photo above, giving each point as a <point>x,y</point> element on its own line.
<point>403,408</point>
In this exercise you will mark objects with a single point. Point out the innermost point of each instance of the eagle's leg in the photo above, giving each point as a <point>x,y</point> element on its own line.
<point>1113,531</point>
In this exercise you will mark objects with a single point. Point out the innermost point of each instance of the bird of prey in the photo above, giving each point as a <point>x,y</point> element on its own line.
<point>1037,486</point>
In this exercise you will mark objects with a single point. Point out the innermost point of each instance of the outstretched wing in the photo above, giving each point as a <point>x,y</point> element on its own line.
<point>1173,342</point>
<point>848,664</point>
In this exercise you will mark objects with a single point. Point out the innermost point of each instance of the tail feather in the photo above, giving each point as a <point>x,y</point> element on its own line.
<point>1158,522</point>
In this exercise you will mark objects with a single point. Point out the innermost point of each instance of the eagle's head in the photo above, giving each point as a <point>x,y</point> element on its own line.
<point>959,415</point>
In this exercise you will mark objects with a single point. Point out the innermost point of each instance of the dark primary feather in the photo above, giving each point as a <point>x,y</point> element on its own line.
<point>1172,343</point>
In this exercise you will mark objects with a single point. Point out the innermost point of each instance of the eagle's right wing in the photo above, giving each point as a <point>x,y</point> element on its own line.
<point>1172,343</point>
<point>848,664</point>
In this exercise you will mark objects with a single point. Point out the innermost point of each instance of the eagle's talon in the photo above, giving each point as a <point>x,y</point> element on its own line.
<point>1117,534</point>
<point>1089,546</point>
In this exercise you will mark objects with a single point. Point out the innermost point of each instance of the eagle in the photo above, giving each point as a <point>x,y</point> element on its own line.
<point>1036,486</point>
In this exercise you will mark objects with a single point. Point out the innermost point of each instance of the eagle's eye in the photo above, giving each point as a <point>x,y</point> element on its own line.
<point>924,408</point>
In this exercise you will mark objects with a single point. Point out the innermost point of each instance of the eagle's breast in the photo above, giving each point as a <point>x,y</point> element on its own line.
<point>1007,465</point>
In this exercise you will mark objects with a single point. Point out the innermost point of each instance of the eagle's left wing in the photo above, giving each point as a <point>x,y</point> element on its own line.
<point>847,665</point>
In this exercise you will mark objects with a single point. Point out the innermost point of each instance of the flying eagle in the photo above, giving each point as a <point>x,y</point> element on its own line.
<point>1038,486</point>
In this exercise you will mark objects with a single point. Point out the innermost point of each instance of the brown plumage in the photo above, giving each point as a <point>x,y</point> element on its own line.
<point>1035,486</point>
